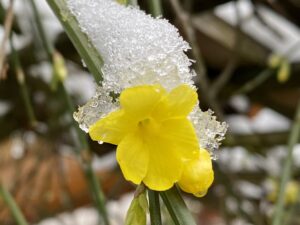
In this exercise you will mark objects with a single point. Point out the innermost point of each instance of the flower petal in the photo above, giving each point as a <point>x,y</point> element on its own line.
<point>181,133</point>
<point>140,101</point>
<point>197,175</point>
<point>178,103</point>
<point>165,166</point>
<point>133,157</point>
<point>112,128</point>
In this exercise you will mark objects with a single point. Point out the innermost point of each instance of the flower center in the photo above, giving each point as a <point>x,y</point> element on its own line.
<point>149,125</point>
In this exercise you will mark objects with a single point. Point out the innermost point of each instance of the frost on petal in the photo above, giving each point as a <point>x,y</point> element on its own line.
<point>210,132</point>
<point>97,107</point>
<point>137,49</point>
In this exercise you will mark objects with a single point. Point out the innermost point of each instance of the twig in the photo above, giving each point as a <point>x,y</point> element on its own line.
<point>286,173</point>
<point>7,29</point>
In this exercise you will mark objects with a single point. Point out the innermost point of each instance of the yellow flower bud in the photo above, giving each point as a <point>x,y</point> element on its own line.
<point>291,192</point>
<point>274,60</point>
<point>284,72</point>
<point>197,175</point>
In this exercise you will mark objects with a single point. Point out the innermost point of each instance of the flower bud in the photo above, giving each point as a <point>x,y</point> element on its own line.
<point>197,175</point>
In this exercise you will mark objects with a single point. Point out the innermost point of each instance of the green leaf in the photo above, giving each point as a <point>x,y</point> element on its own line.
<point>136,214</point>
<point>177,207</point>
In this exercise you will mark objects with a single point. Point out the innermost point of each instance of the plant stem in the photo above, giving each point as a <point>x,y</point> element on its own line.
<point>255,82</point>
<point>85,48</point>
<point>12,205</point>
<point>48,47</point>
<point>154,207</point>
<point>286,173</point>
<point>177,207</point>
<point>133,2</point>
<point>84,148</point>
<point>97,192</point>
<point>22,83</point>
<point>155,8</point>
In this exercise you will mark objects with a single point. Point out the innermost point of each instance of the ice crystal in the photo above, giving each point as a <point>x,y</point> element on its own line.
<point>210,132</point>
<point>98,106</point>
<point>137,49</point>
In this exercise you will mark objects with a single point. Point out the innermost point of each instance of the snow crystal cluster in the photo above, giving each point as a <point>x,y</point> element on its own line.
<point>98,106</point>
<point>137,49</point>
<point>209,131</point>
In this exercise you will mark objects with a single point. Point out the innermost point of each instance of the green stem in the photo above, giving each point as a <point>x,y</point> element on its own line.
<point>22,83</point>
<point>86,48</point>
<point>154,207</point>
<point>133,2</point>
<point>177,207</point>
<point>286,173</point>
<point>90,174</point>
<point>97,191</point>
<point>255,82</point>
<point>81,42</point>
<point>12,205</point>
<point>48,47</point>
<point>155,8</point>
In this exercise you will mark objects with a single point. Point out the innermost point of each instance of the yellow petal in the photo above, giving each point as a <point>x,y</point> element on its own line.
<point>133,157</point>
<point>197,175</point>
<point>112,128</point>
<point>165,166</point>
<point>181,133</point>
<point>178,103</point>
<point>140,101</point>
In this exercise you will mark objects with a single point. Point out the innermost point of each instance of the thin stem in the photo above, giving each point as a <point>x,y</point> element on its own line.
<point>255,82</point>
<point>81,42</point>
<point>97,192</point>
<point>84,148</point>
<point>48,47</point>
<point>177,207</point>
<point>90,174</point>
<point>23,86</point>
<point>155,8</point>
<point>286,173</point>
<point>12,205</point>
<point>154,207</point>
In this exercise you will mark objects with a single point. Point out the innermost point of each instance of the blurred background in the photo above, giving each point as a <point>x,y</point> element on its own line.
<point>248,65</point>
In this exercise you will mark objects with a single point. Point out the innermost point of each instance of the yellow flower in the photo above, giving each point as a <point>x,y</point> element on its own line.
<point>154,136</point>
<point>197,175</point>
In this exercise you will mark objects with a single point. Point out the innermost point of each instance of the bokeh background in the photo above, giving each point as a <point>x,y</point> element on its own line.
<point>248,65</point>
